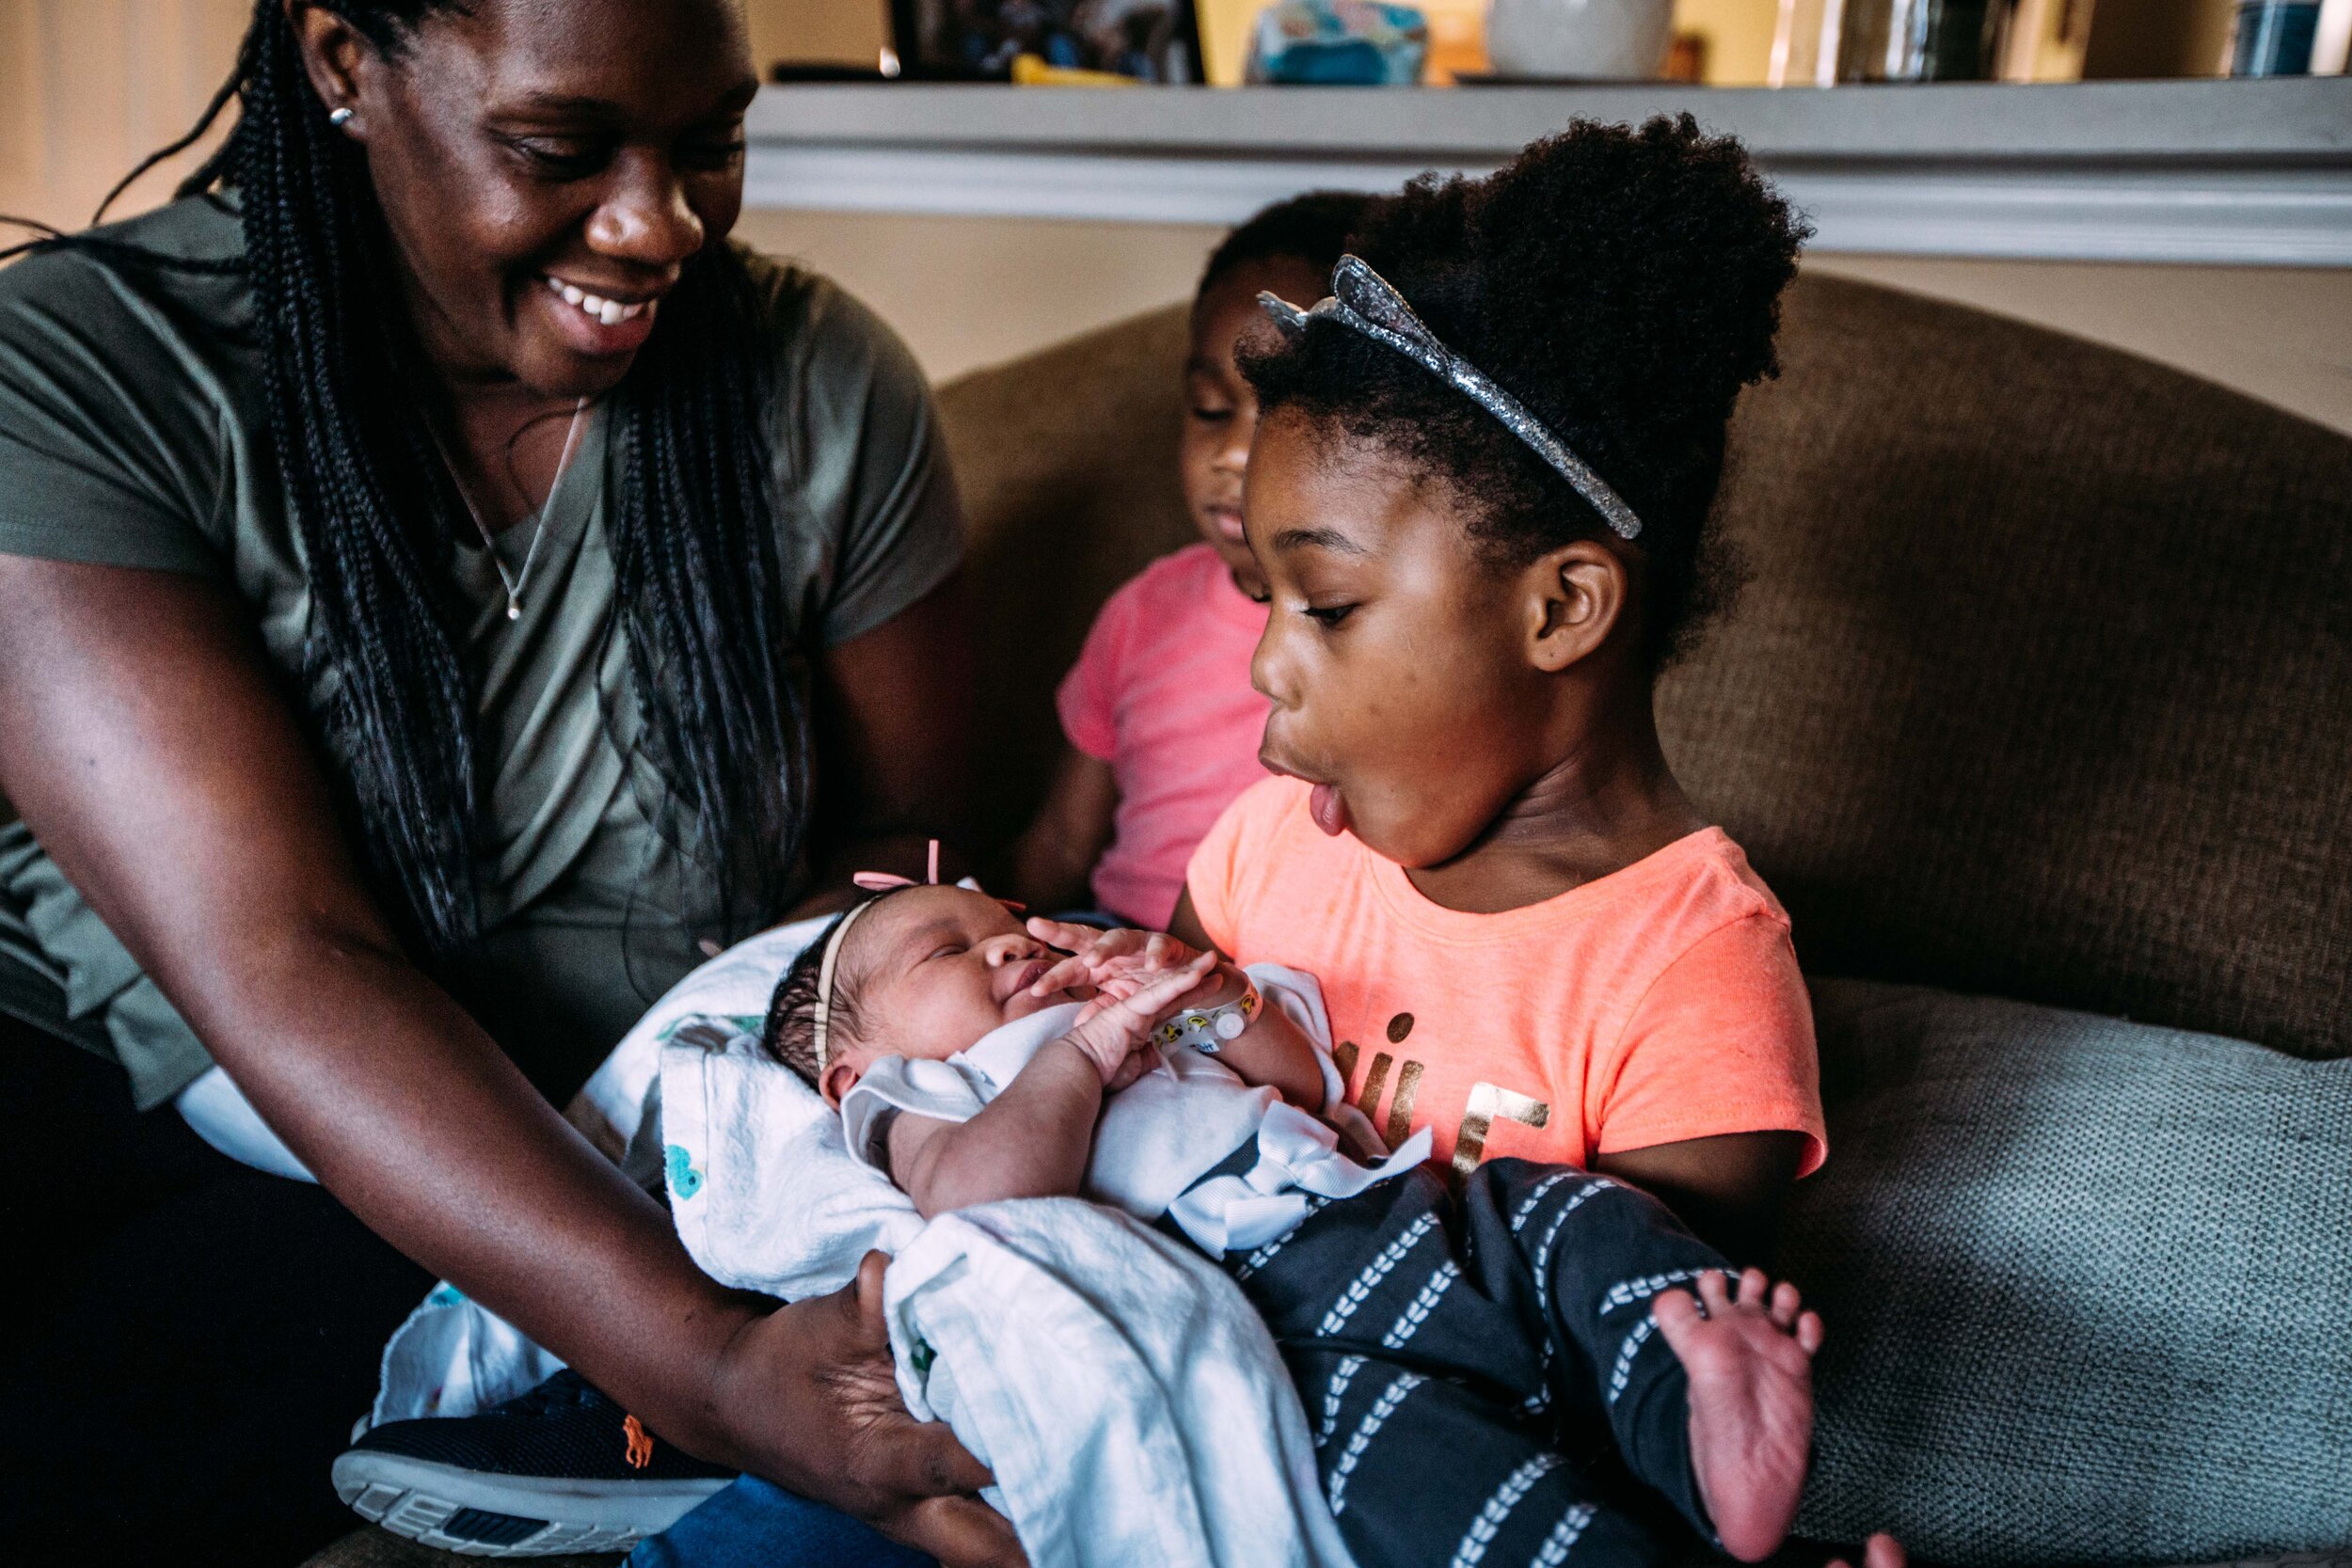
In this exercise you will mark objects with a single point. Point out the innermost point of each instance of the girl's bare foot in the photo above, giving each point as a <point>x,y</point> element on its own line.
<point>1750,1366</point>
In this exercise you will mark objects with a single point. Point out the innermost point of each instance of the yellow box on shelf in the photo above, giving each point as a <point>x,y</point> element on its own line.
<point>1030,71</point>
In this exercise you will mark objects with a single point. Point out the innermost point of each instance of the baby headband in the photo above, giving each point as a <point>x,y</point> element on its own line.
<point>1363,301</point>
<point>872,881</point>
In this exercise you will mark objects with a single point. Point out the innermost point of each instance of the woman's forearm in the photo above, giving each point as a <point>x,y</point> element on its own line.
<point>153,757</point>
<point>432,1137</point>
<point>155,760</point>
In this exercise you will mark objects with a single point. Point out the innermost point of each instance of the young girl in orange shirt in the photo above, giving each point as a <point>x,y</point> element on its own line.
<point>1479,496</point>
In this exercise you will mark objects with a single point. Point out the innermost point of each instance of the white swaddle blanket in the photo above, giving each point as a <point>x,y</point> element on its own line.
<point>1129,1399</point>
<point>1127,1395</point>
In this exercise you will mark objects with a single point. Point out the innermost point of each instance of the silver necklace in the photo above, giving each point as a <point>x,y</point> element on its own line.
<point>513,585</point>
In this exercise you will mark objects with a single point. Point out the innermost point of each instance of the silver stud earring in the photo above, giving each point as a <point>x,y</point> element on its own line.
<point>339,118</point>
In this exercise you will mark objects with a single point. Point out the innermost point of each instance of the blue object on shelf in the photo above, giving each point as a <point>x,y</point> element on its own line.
<point>1338,43</point>
<point>2273,37</point>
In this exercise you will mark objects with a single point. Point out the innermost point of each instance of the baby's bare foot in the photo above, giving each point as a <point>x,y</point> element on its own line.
<point>1880,1551</point>
<point>1750,1365</point>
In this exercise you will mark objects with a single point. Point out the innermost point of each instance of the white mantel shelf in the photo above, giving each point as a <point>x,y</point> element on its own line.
<point>2237,172</point>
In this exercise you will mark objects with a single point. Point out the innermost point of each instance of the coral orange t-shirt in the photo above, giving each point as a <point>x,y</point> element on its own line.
<point>1655,1005</point>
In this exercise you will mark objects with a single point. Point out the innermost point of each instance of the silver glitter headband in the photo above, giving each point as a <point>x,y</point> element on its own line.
<point>1363,301</point>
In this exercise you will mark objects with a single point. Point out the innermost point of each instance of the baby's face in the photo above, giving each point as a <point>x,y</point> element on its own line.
<point>935,969</point>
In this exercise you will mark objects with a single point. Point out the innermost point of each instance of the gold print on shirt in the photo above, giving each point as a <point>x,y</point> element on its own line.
<point>1400,1108</point>
<point>1488,1101</point>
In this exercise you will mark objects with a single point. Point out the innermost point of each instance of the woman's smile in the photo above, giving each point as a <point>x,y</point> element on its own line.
<point>598,324</point>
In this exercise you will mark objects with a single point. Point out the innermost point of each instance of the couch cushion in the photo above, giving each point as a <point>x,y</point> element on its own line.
<point>2086,1284</point>
<point>2041,686</point>
<point>2039,689</point>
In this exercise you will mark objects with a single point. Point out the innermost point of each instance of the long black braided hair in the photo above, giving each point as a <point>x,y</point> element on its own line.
<point>696,572</point>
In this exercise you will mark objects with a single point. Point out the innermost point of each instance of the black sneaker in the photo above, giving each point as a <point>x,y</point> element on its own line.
<point>559,1469</point>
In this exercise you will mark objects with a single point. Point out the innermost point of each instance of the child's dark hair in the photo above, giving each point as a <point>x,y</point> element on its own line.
<point>1624,285</point>
<point>1313,229</point>
<point>789,1034</point>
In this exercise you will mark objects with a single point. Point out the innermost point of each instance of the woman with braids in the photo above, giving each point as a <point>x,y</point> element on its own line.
<point>443,585</point>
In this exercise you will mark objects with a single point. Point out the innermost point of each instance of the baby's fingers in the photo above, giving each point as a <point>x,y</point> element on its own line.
<point>1065,934</point>
<point>1161,991</point>
<point>1078,971</point>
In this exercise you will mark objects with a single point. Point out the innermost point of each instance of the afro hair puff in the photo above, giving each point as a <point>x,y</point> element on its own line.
<point>1622,283</point>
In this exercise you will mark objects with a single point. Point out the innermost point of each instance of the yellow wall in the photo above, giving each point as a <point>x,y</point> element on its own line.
<point>1739,35</point>
<point>847,31</point>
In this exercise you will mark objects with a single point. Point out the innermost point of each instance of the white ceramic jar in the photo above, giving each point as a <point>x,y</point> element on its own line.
<point>1601,40</point>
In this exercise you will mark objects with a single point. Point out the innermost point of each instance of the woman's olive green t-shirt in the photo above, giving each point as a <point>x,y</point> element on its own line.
<point>132,432</point>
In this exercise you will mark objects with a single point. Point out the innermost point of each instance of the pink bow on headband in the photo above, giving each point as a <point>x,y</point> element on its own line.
<point>882,881</point>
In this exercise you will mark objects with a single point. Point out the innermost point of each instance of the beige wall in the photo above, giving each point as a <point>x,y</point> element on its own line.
<point>88,87</point>
<point>969,291</point>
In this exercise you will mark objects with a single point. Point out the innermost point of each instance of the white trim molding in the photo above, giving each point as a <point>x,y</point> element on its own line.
<point>2219,172</point>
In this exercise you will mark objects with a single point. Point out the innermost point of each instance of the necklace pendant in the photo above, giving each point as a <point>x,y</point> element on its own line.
<point>513,609</point>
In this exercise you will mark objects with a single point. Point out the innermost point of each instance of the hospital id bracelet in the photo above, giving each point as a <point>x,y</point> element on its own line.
<point>1207,1029</point>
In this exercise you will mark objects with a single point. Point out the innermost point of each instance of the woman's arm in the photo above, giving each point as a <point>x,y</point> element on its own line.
<point>893,735</point>
<point>153,760</point>
<point>1054,859</point>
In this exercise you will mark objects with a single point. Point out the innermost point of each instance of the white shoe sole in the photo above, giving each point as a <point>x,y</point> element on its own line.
<point>489,1515</point>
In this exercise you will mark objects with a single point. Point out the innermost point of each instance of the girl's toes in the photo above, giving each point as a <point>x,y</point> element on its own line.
<point>1785,1304</point>
<point>1809,1333</point>
<point>1715,1291</point>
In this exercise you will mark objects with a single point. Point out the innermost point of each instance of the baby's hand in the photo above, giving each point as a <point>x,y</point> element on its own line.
<point>1097,956</point>
<point>1117,1027</point>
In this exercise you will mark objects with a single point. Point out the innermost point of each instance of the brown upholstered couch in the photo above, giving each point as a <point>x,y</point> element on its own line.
<point>2042,688</point>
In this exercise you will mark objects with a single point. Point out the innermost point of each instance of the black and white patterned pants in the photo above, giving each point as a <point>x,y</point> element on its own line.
<point>1482,1371</point>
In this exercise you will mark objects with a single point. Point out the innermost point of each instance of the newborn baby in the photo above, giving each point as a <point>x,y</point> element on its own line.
<point>1463,1357</point>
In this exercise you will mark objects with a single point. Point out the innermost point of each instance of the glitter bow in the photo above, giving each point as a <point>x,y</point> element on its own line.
<point>1363,301</point>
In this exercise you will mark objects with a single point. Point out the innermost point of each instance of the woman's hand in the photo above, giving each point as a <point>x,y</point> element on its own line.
<point>811,1395</point>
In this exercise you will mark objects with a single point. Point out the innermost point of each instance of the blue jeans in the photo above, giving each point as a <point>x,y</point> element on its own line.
<point>754,1523</point>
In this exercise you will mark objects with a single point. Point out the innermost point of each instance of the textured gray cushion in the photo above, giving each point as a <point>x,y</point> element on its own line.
<point>2088,1286</point>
